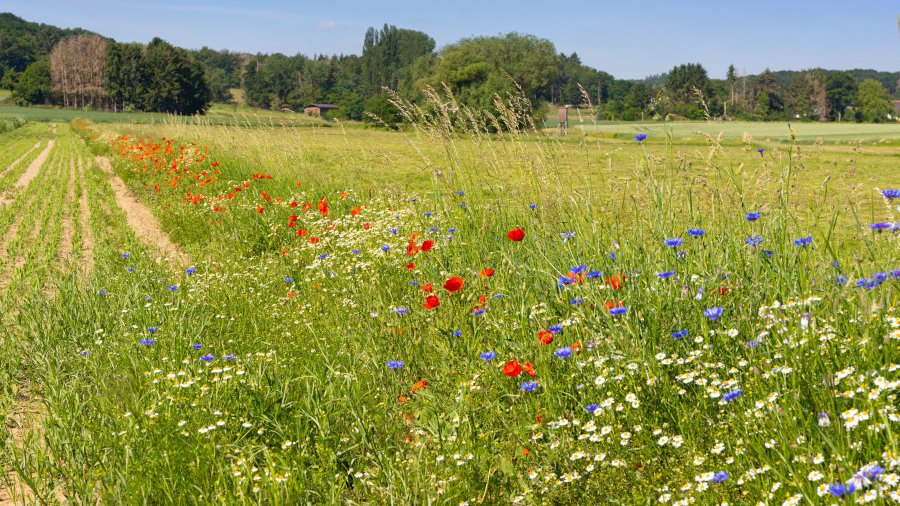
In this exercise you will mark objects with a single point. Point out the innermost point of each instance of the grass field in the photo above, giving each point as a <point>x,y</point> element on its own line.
<point>219,114</point>
<point>446,316</point>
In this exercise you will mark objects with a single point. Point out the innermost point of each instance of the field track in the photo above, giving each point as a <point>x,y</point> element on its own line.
<point>43,241</point>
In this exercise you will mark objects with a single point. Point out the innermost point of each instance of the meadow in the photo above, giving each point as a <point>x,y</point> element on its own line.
<point>449,315</point>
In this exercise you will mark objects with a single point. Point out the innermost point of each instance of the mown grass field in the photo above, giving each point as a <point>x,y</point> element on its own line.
<point>447,316</point>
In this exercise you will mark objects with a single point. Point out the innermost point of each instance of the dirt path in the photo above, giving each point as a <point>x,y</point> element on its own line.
<point>84,223</point>
<point>140,219</point>
<point>19,159</point>
<point>30,173</point>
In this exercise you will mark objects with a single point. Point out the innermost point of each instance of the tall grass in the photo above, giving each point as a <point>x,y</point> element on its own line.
<point>289,397</point>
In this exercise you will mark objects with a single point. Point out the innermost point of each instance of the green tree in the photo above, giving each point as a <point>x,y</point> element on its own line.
<point>840,91</point>
<point>682,85</point>
<point>175,80</point>
<point>35,86</point>
<point>380,110</point>
<point>387,58</point>
<point>125,75</point>
<point>874,101</point>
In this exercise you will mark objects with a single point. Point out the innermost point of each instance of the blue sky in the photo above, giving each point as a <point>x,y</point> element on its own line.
<point>628,39</point>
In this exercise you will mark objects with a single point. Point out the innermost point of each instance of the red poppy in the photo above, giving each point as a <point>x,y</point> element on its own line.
<point>427,288</point>
<point>516,234</point>
<point>313,240</point>
<point>431,302</point>
<point>260,210</point>
<point>486,273</point>
<point>293,203</point>
<point>411,248</point>
<point>323,207</point>
<point>354,211</point>
<point>723,290</point>
<point>418,386</point>
<point>344,195</point>
<point>427,245</point>
<point>610,304</point>
<point>529,369</point>
<point>546,337</point>
<point>614,282</point>
<point>302,232</point>
<point>453,284</point>
<point>367,226</point>
<point>512,368</point>
<point>410,266</point>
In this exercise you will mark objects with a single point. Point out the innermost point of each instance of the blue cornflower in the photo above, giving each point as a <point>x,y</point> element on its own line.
<point>126,256</point>
<point>394,230</point>
<point>529,386</point>
<point>478,312</point>
<point>196,346</point>
<point>719,477</point>
<point>760,151</point>
<point>401,310</point>
<point>564,281</point>
<point>577,301</point>
<point>229,357</point>
<point>803,241</point>
<point>190,271</point>
<point>594,274</point>
<point>696,232</point>
<point>563,353</point>
<point>679,334</point>
<point>433,230</point>
<point>452,230</point>
<point>462,204</point>
<point>456,333</point>
<point>713,313</point>
<point>414,283</point>
<point>674,243</point>
<point>754,241</point>
<point>578,269</point>
<point>498,295</point>
<point>592,407</point>
<point>612,256</point>
<point>460,193</point>
<point>385,248</point>
<point>616,311</point>
<point>532,206</point>
<point>207,358</point>
<point>891,194</point>
<point>840,280</point>
<point>147,342</point>
<point>881,226</point>
<point>355,251</point>
<point>752,216</point>
<point>873,472</point>
<point>395,364</point>
<point>767,252</point>
<point>130,269</point>
<point>665,275</point>
<point>173,288</point>
<point>288,280</point>
<point>102,293</point>
<point>427,215</point>
<point>839,490</point>
<point>152,330</point>
<point>414,200</point>
<point>752,344</point>
<point>640,137</point>
<point>488,356</point>
<point>732,395</point>
<point>556,329</point>
<point>567,235</point>
<point>323,256</point>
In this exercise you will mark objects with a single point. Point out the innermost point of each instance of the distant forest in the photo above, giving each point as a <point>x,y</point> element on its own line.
<point>43,64</point>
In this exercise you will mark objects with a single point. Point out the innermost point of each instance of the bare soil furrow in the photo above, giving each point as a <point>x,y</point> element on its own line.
<point>30,173</point>
<point>145,225</point>
<point>18,160</point>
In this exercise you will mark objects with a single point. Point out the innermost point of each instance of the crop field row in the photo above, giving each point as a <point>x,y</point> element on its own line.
<point>423,318</point>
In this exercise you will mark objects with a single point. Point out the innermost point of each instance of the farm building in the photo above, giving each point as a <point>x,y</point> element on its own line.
<point>320,110</point>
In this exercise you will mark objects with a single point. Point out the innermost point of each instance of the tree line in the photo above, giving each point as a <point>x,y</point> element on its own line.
<point>78,69</point>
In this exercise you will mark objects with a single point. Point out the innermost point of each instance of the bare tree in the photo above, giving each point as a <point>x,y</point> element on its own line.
<point>76,68</point>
